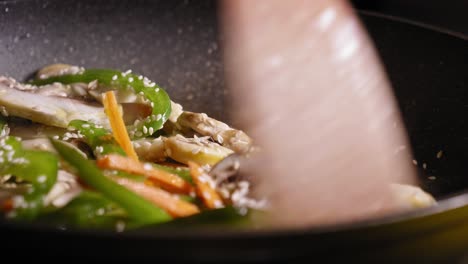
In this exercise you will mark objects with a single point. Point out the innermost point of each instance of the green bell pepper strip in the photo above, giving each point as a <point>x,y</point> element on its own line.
<point>88,210</point>
<point>158,98</point>
<point>223,218</point>
<point>39,168</point>
<point>98,138</point>
<point>136,207</point>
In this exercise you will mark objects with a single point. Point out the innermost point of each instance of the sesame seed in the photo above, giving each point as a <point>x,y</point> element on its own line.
<point>126,73</point>
<point>218,204</point>
<point>243,211</point>
<point>196,150</point>
<point>151,130</point>
<point>99,149</point>
<point>114,77</point>
<point>415,162</point>
<point>138,134</point>
<point>145,130</point>
<point>439,154</point>
<point>130,79</point>
<point>424,165</point>
<point>147,166</point>
<point>158,117</point>
<point>41,179</point>
<point>8,147</point>
<point>157,90</point>
<point>100,211</point>
<point>432,178</point>
<point>206,195</point>
<point>120,226</point>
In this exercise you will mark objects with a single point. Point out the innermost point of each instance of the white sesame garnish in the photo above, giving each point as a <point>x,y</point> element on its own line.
<point>147,166</point>
<point>114,78</point>
<point>218,204</point>
<point>120,226</point>
<point>439,154</point>
<point>157,89</point>
<point>206,195</point>
<point>219,138</point>
<point>99,149</point>
<point>130,79</point>
<point>126,73</point>
<point>151,130</point>
<point>100,211</point>
<point>41,179</point>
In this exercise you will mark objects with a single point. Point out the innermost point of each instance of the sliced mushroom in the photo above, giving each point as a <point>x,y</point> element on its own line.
<point>26,129</point>
<point>199,150</point>
<point>47,110</point>
<point>65,189</point>
<point>231,138</point>
<point>42,144</point>
<point>150,149</point>
<point>58,70</point>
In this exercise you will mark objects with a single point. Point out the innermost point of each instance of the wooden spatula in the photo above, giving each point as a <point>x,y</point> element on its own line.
<point>307,84</point>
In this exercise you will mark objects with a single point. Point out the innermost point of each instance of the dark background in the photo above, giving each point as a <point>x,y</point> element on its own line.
<point>450,14</point>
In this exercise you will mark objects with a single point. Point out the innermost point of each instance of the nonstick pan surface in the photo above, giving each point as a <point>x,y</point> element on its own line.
<point>176,43</point>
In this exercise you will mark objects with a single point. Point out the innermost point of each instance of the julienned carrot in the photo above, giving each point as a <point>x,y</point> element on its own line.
<point>166,180</point>
<point>165,200</point>
<point>119,129</point>
<point>210,197</point>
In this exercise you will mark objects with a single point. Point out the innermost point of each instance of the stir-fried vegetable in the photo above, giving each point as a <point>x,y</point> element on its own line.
<point>100,148</point>
<point>118,127</point>
<point>91,210</point>
<point>96,137</point>
<point>125,82</point>
<point>38,168</point>
<point>137,208</point>
<point>162,178</point>
<point>115,155</point>
<point>205,188</point>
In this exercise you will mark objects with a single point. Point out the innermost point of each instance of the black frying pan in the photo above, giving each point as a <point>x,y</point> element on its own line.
<point>176,44</point>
